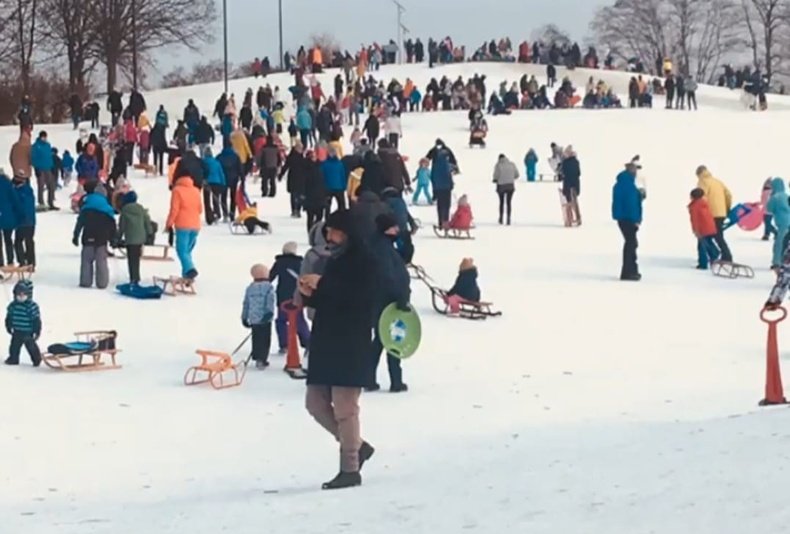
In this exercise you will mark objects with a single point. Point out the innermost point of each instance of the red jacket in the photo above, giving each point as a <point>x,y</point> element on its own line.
<point>462,218</point>
<point>701,219</point>
<point>129,132</point>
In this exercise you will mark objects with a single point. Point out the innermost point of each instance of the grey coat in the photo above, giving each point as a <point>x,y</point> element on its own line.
<point>505,175</point>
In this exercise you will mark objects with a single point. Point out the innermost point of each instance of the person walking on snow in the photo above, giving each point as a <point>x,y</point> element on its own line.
<point>423,181</point>
<point>505,177</point>
<point>704,229</point>
<point>779,206</point>
<point>343,299</point>
<point>24,243</point>
<point>96,225</point>
<point>134,229</point>
<point>720,201</point>
<point>285,272</point>
<point>531,163</point>
<point>44,163</point>
<point>184,219</point>
<point>627,211</point>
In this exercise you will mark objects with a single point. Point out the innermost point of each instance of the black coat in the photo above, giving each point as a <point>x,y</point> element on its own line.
<point>314,189</point>
<point>231,166</point>
<point>297,168</point>
<point>374,177</point>
<point>571,172</point>
<point>340,342</point>
<point>97,228</point>
<point>204,134</point>
<point>392,279</point>
<point>395,173</point>
<point>159,138</point>
<point>372,127</point>
<point>364,213</point>
<point>466,286</point>
<point>286,283</point>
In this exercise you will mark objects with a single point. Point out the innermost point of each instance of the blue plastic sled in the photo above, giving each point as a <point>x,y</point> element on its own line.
<point>140,292</point>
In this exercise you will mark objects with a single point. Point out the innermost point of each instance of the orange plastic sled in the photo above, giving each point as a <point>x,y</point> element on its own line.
<point>216,368</point>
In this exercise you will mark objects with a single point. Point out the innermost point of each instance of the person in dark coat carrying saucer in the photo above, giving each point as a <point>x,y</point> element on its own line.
<point>340,345</point>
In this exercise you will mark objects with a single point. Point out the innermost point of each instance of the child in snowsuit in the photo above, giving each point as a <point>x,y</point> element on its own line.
<point>465,288</point>
<point>779,207</point>
<point>23,323</point>
<point>134,227</point>
<point>285,272</point>
<point>423,180</point>
<point>462,218</point>
<point>257,313</point>
<point>768,227</point>
<point>704,228</point>
<point>531,162</point>
<point>248,213</point>
<point>68,168</point>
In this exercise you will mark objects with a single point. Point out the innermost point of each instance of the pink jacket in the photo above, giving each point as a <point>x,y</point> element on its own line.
<point>129,132</point>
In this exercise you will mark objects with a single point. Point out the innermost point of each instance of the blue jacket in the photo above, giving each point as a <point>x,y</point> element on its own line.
<point>303,119</point>
<point>416,96</point>
<point>68,161</point>
<point>441,174</point>
<point>87,167</point>
<point>162,118</point>
<point>41,156</point>
<point>214,173</point>
<point>226,127</point>
<point>423,177</point>
<point>27,204</point>
<point>398,207</point>
<point>23,317</point>
<point>626,199</point>
<point>778,205</point>
<point>97,202</point>
<point>531,159</point>
<point>10,207</point>
<point>334,171</point>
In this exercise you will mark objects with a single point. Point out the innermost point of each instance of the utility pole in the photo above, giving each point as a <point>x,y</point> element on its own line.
<point>134,45</point>
<point>401,11</point>
<point>280,5</point>
<point>225,39</point>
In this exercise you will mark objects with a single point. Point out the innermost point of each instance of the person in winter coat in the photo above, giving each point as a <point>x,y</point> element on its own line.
<point>96,225</point>
<point>10,215</point>
<point>304,122</point>
<point>720,201</point>
<point>465,288</point>
<point>765,195</point>
<point>627,211</point>
<point>394,130</point>
<point>779,206</point>
<point>238,139</point>
<point>44,164</point>
<point>184,219</point>
<point>392,282</point>
<point>423,180</point>
<point>257,313</point>
<point>134,230</point>
<point>269,164</point>
<point>571,175</point>
<point>233,171</point>
<point>285,272</point>
<point>21,156</point>
<point>68,167</point>
<point>340,346</point>
<point>159,145</point>
<point>87,165</point>
<point>374,174</point>
<point>316,196</point>
<point>24,244</point>
<point>372,129</point>
<point>314,260</point>
<point>505,176</point>
<point>23,324</point>
<point>406,224</point>
<point>704,229</point>
<point>129,140</point>
<point>396,174</point>
<point>364,213</point>
<point>214,190</point>
<point>204,136</point>
<point>296,168</point>
<point>335,180</point>
<point>442,181</point>
<point>531,163</point>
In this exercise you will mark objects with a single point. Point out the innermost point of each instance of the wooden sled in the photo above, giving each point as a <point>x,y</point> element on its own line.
<point>216,368</point>
<point>150,170</point>
<point>152,253</point>
<point>237,228</point>
<point>571,216</point>
<point>451,233</point>
<point>476,311</point>
<point>725,269</point>
<point>175,285</point>
<point>101,358</point>
<point>18,272</point>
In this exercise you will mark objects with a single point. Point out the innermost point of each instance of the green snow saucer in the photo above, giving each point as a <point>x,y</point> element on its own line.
<point>400,331</point>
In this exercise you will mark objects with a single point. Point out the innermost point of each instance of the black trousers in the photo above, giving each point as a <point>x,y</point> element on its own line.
<point>394,140</point>
<point>692,97</point>
<point>207,211</point>
<point>261,341</point>
<point>25,245</point>
<point>393,364</point>
<point>406,249</point>
<point>159,161</point>
<point>629,230</point>
<point>254,222</point>
<point>129,148</point>
<point>296,204</point>
<point>443,201</point>
<point>340,200</point>
<point>133,255</point>
<point>505,198</point>
<point>233,185</point>
<point>8,241</point>
<point>219,201</point>
<point>268,182</point>
<point>726,255</point>
<point>314,217</point>
<point>23,338</point>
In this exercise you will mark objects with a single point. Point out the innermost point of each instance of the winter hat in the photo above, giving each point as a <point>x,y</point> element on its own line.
<point>385,221</point>
<point>340,220</point>
<point>701,170</point>
<point>290,247</point>
<point>129,198</point>
<point>466,264</point>
<point>697,193</point>
<point>259,272</point>
<point>24,287</point>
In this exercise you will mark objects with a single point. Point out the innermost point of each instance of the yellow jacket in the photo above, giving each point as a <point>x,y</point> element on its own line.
<point>718,196</point>
<point>338,146</point>
<point>240,146</point>
<point>249,213</point>
<point>354,180</point>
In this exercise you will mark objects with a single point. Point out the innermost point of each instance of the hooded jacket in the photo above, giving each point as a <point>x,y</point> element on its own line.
<point>702,223</point>
<point>134,225</point>
<point>21,163</point>
<point>284,265</point>
<point>96,221</point>
<point>214,173</point>
<point>41,155</point>
<point>334,174</point>
<point>626,199</point>
<point>231,165</point>
<point>466,285</point>
<point>10,206</point>
<point>779,204</point>
<point>27,203</point>
<point>718,196</point>
<point>505,174</point>
<point>185,205</point>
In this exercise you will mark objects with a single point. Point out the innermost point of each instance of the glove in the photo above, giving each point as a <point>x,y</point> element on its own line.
<point>75,242</point>
<point>245,323</point>
<point>404,307</point>
<point>771,306</point>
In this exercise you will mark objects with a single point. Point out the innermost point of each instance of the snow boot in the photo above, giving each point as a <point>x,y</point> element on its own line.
<point>366,450</point>
<point>9,361</point>
<point>191,274</point>
<point>399,388</point>
<point>343,480</point>
<point>260,364</point>
<point>372,388</point>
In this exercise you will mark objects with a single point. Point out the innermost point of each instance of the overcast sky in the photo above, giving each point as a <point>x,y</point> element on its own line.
<point>252,24</point>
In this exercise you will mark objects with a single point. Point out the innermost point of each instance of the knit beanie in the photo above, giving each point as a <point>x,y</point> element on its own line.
<point>290,247</point>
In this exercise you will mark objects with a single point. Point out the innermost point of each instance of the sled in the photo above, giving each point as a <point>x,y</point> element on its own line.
<point>237,228</point>
<point>451,233</point>
<point>548,177</point>
<point>150,170</point>
<point>416,271</point>
<point>152,253</point>
<point>217,369</point>
<point>175,285</point>
<point>18,272</point>
<point>570,210</point>
<point>747,216</point>
<point>726,269</point>
<point>92,351</point>
<point>468,309</point>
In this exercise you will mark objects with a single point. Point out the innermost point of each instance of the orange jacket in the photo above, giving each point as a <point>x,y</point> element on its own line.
<point>186,206</point>
<point>702,222</point>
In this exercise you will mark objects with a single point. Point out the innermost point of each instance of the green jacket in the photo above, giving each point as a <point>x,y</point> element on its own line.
<point>134,226</point>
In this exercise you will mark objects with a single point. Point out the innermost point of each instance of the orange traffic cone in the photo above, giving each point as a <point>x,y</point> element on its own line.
<point>293,363</point>
<point>774,393</point>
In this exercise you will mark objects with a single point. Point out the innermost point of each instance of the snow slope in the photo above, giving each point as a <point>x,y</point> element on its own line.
<point>591,406</point>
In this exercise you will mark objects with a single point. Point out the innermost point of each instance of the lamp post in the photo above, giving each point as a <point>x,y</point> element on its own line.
<point>401,11</point>
<point>225,40</point>
<point>134,45</point>
<point>280,12</point>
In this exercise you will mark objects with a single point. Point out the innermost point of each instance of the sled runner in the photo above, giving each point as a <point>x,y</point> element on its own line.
<point>451,233</point>
<point>19,272</point>
<point>175,285</point>
<point>467,309</point>
<point>726,269</point>
<point>152,253</point>
<point>92,351</point>
<point>570,210</point>
<point>216,368</point>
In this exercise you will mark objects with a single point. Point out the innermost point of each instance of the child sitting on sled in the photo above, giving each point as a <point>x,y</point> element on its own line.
<point>465,288</point>
<point>248,213</point>
<point>462,218</point>
<point>257,314</point>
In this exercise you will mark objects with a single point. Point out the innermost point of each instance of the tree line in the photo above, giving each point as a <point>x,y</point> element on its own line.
<point>701,36</point>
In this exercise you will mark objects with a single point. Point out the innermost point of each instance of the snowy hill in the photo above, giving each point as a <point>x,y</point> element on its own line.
<point>591,406</point>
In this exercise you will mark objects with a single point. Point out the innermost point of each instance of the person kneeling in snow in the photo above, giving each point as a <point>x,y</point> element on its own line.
<point>465,288</point>
<point>23,322</point>
<point>257,313</point>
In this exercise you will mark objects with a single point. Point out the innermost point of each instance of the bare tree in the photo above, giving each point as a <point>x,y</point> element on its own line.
<point>766,27</point>
<point>551,34</point>
<point>66,25</point>
<point>18,18</point>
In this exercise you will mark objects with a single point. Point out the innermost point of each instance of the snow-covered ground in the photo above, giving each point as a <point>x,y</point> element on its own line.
<point>591,406</point>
